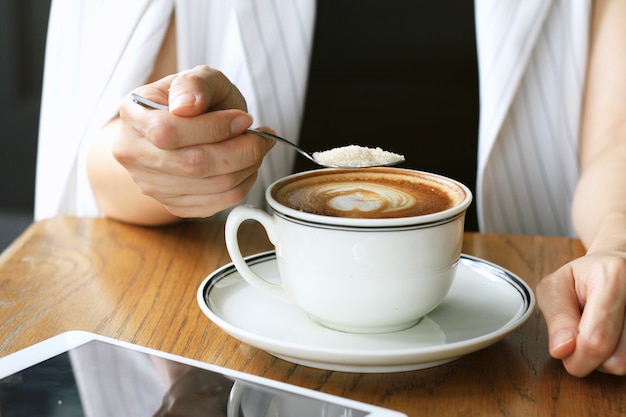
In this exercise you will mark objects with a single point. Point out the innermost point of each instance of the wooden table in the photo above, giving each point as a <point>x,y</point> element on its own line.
<point>139,285</point>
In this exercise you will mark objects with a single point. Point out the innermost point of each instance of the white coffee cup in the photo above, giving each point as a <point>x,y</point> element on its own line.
<point>363,251</point>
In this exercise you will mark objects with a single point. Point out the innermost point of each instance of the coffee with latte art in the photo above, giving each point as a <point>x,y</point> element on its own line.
<point>369,193</point>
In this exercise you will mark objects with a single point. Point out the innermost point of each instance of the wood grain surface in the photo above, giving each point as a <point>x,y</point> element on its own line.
<point>139,285</point>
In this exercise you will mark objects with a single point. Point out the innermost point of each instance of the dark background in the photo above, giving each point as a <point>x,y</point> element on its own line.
<point>401,75</point>
<point>23,25</point>
<point>396,74</point>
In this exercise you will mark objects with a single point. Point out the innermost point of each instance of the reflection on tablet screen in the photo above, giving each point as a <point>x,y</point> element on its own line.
<point>102,379</point>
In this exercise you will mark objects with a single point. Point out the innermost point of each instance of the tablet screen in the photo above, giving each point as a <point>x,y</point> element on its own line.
<point>103,379</point>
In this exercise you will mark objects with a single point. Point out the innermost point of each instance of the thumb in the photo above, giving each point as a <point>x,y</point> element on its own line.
<point>557,300</point>
<point>186,104</point>
<point>181,101</point>
<point>202,89</point>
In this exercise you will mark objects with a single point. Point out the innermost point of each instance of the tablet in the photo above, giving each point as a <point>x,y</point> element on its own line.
<point>84,374</point>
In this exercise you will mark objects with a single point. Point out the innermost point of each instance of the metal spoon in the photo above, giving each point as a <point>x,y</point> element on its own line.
<point>395,158</point>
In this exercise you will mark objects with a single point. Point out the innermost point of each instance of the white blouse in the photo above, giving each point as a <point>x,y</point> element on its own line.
<point>531,57</point>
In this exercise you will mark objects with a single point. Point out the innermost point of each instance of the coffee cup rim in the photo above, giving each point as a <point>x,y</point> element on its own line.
<point>319,219</point>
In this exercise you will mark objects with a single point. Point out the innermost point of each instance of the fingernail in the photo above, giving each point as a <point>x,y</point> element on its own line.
<point>240,123</point>
<point>563,337</point>
<point>183,100</point>
<point>269,143</point>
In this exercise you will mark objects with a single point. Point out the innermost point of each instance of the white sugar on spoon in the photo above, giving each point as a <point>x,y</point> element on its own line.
<point>357,157</point>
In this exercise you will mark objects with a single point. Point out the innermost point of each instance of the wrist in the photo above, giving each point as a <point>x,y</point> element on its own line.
<point>610,236</point>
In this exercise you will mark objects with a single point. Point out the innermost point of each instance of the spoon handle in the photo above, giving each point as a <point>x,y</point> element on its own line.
<point>147,103</point>
<point>283,140</point>
<point>154,105</point>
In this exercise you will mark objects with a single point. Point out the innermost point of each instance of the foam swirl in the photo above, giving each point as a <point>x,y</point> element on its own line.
<point>372,198</point>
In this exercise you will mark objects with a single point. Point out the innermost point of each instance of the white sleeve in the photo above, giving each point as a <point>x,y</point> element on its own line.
<point>96,52</point>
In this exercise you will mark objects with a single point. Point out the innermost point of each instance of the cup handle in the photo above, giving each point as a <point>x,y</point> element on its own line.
<point>236,217</point>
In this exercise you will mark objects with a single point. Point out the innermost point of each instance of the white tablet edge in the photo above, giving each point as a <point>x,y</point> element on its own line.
<point>39,352</point>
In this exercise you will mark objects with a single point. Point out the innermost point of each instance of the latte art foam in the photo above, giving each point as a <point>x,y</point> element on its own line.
<point>371,193</point>
<point>359,197</point>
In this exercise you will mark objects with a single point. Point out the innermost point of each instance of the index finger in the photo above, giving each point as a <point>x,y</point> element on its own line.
<point>559,304</point>
<point>167,131</point>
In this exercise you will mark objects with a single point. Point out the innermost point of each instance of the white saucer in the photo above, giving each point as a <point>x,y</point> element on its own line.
<point>485,304</point>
